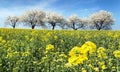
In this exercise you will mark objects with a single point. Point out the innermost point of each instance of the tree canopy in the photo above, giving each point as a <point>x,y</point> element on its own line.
<point>99,20</point>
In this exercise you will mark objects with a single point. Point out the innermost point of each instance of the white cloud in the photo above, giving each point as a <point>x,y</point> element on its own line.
<point>19,10</point>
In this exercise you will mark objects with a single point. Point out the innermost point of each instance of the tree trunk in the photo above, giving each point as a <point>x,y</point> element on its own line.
<point>33,26</point>
<point>99,28</point>
<point>53,26</point>
<point>13,26</point>
<point>74,27</point>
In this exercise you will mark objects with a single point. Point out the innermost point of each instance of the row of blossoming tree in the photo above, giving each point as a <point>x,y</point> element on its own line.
<point>99,20</point>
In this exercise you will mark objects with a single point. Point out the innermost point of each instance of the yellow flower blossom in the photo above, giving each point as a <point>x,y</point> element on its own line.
<point>27,37</point>
<point>101,63</point>
<point>9,49</point>
<point>32,39</point>
<point>49,47</point>
<point>102,55</point>
<point>96,69</point>
<point>1,39</point>
<point>75,60</point>
<point>62,41</point>
<point>63,55</point>
<point>79,54</point>
<point>84,70</point>
<point>74,51</point>
<point>25,54</point>
<point>117,53</point>
<point>72,59</point>
<point>89,46</point>
<point>9,55</point>
<point>84,50</point>
<point>55,37</point>
<point>68,65</point>
<point>101,50</point>
<point>103,67</point>
<point>35,33</point>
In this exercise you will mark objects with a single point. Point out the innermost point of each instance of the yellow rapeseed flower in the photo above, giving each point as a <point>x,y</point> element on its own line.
<point>75,60</point>
<point>84,70</point>
<point>96,69</point>
<point>101,63</point>
<point>27,37</point>
<point>89,43</point>
<point>35,33</point>
<point>1,39</point>
<point>49,47</point>
<point>102,55</point>
<point>81,59</point>
<point>55,37</point>
<point>62,41</point>
<point>89,46</point>
<point>84,50</point>
<point>32,39</point>
<point>101,50</point>
<point>74,51</point>
<point>79,54</point>
<point>9,55</point>
<point>25,54</point>
<point>68,65</point>
<point>117,53</point>
<point>103,67</point>
<point>72,59</point>
<point>9,49</point>
<point>0,65</point>
<point>63,55</point>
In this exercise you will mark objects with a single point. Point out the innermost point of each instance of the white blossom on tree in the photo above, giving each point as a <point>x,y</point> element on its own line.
<point>34,18</point>
<point>75,22</point>
<point>54,19</point>
<point>12,21</point>
<point>101,20</point>
<point>83,23</point>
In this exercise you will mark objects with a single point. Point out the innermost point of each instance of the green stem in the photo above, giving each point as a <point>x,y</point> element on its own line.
<point>118,65</point>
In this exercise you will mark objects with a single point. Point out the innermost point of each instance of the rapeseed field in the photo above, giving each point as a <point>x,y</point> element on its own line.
<point>25,50</point>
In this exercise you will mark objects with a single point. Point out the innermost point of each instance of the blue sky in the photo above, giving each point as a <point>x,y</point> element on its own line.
<point>83,8</point>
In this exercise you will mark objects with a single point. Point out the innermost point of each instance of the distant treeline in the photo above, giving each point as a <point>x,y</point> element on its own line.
<point>99,20</point>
